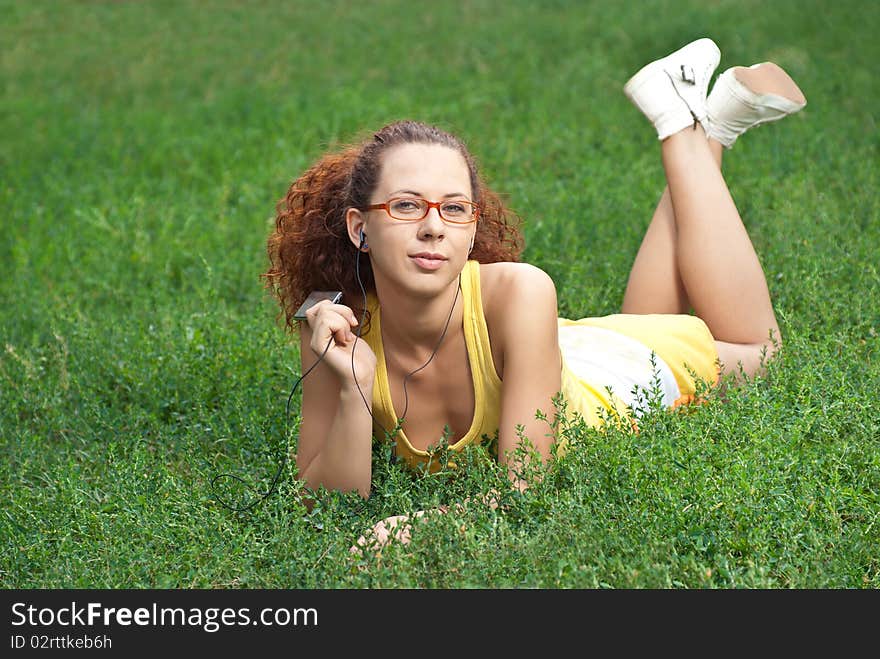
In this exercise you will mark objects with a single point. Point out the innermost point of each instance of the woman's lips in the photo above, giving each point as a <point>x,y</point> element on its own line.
<point>428,261</point>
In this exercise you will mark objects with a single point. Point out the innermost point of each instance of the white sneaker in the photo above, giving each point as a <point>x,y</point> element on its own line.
<point>671,91</point>
<point>734,108</point>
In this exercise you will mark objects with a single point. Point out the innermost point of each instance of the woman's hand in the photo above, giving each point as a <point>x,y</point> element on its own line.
<point>396,527</point>
<point>334,322</point>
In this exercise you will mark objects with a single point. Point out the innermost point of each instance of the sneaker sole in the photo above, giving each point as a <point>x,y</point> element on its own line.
<point>770,79</point>
<point>759,100</point>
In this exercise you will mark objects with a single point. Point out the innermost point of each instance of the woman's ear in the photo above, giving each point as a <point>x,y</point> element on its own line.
<point>355,223</point>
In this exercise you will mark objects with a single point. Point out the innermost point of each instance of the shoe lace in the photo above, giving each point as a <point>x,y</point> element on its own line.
<point>691,81</point>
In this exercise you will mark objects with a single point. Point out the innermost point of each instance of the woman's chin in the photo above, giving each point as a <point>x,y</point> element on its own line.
<point>421,284</point>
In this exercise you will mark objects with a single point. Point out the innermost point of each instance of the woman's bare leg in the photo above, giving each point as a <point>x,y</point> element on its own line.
<point>704,261</point>
<point>655,285</point>
<point>717,263</point>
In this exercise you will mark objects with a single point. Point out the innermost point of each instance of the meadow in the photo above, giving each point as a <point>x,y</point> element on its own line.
<point>144,147</point>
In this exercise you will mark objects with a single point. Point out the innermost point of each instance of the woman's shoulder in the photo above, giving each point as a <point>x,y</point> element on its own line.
<point>508,277</point>
<point>512,283</point>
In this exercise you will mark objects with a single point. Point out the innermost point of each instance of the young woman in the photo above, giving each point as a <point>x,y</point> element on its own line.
<point>442,333</point>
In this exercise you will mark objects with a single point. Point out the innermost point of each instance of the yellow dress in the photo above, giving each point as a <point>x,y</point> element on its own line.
<point>606,363</point>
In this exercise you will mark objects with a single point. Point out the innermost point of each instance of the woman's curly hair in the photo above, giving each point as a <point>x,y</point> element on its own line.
<point>309,248</point>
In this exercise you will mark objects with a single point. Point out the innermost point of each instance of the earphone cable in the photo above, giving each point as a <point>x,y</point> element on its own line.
<point>407,377</point>
<point>434,352</point>
<point>275,478</point>
<point>357,270</point>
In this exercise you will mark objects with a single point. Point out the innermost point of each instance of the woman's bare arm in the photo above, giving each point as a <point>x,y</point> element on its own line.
<point>335,441</point>
<point>526,325</point>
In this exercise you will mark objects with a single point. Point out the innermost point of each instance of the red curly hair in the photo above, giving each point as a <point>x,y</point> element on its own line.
<point>309,248</point>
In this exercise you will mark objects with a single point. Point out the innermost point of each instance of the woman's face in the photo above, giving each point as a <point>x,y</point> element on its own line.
<point>424,256</point>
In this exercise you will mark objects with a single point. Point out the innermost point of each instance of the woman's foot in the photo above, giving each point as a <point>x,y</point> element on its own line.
<point>745,97</point>
<point>671,91</point>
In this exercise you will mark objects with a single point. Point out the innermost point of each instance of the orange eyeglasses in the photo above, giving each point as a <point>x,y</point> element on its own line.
<point>411,209</point>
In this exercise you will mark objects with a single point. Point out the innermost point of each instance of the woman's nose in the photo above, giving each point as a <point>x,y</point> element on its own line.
<point>432,224</point>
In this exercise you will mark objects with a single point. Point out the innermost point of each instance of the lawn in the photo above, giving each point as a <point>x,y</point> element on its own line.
<point>144,146</point>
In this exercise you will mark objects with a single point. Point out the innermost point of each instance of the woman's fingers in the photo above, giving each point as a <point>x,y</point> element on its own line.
<point>328,320</point>
<point>326,306</point>
<point>333,341</point>
<point>396,527</point>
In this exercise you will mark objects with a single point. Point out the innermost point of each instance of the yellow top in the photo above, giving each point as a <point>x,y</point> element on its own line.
<point>609,357</point>
<point>487,384</point>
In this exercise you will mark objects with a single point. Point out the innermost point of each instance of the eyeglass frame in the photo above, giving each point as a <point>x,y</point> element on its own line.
<point>430,204</point>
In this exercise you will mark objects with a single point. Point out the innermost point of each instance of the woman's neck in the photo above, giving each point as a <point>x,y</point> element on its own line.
<point>414,325</point>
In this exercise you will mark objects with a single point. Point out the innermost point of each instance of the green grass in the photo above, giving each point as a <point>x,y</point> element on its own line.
<point>144,147</point>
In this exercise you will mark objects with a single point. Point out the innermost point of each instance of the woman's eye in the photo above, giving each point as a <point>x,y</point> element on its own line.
<point>453,209</point>
<point>405,205</point>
